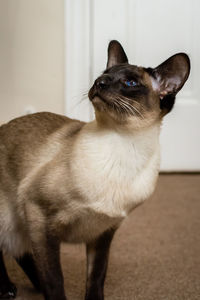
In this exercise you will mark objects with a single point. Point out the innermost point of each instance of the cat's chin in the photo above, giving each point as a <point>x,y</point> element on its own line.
<point>99,103</point>
<point>97,100</point>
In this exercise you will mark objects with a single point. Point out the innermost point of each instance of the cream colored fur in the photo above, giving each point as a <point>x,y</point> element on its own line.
<point>111,171</point>
<point>116,171</point>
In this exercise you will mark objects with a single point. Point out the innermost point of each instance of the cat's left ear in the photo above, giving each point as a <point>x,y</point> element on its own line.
<point>116,54</point>
<point>169,77</point>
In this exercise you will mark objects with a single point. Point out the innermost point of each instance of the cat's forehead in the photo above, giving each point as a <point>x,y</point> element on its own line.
<point>125,70</point>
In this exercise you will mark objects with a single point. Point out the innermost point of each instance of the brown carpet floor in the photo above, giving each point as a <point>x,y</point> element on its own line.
<point>155,254</point>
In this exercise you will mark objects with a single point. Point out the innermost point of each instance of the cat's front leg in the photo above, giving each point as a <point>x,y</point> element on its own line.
<point>7,288</point>
<point>97,261</point>
<point>46,254</point>
<point>27,263</point>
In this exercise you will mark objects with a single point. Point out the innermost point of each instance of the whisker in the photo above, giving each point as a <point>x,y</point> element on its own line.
<point>119,106</point>
<point>139,105</point>
<point>126,106</point>
<point>83,99</point>
<point>131,107</point>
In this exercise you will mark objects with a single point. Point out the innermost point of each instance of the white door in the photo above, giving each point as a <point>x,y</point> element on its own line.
<point>150,31</point>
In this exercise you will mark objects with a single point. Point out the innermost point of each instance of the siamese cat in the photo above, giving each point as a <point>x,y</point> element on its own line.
<point>63,180</point>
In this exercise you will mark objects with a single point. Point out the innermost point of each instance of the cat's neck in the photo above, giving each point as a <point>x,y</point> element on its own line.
<point>103,127</point>
<point>95,140</point>
<point>129,126</point>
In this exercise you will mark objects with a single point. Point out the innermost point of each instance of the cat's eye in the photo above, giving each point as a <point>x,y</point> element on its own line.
<point>130,83</point>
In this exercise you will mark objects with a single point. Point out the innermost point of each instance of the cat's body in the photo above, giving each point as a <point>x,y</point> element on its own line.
<point>62,180</point>
<point>104,180</point>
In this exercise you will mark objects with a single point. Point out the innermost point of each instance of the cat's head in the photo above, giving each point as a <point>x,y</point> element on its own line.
<point>126,93</point>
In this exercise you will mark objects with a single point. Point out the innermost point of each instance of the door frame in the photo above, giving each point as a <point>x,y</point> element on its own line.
<point>78,48</point>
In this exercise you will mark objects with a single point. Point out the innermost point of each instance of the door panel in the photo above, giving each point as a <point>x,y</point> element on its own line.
<point>152,31</point>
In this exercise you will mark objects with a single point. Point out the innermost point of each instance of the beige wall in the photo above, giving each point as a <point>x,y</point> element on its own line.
<point>31,56</point>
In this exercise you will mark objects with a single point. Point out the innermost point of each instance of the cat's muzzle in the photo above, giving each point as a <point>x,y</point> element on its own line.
<point>99,88</point>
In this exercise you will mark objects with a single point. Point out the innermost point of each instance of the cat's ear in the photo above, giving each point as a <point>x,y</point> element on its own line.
<point>116,54</point>
<point>169,77</point>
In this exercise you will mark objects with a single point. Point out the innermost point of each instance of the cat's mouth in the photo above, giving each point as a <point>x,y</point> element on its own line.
<point>99,98</point>
<point>96,97</point>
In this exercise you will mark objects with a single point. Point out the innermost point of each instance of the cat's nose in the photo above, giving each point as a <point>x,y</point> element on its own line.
<point>102,82</point>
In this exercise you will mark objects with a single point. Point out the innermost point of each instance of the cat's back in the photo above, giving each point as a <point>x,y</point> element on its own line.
<point>31,128</point>
<point>21,139</point>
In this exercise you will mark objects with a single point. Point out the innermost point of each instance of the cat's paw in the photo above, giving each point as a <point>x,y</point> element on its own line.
<point>94,296</point>
<point>8,291</point>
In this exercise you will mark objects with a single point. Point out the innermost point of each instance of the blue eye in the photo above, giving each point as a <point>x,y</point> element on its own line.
<point>130,83</point>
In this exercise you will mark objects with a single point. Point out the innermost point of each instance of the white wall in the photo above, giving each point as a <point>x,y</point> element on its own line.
<point>31,56</point>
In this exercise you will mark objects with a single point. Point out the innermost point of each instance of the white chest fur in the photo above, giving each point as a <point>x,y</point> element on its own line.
<point>116,171</point>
